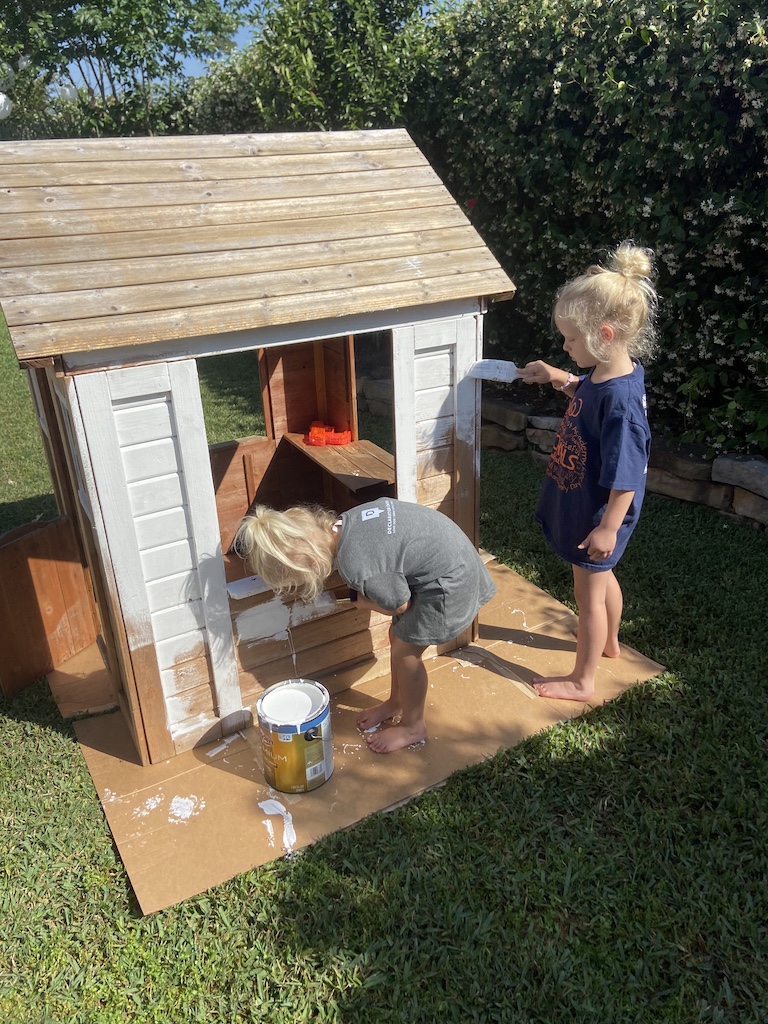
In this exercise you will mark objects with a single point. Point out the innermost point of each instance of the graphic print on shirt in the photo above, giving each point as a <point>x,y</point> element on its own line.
<point>568,460</point>
<point>390,511</point>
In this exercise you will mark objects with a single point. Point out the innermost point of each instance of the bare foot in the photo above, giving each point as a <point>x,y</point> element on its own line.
<point>612,648</point>
<point>372,718</point>
<point>562,688</point>
<point>396,737</point>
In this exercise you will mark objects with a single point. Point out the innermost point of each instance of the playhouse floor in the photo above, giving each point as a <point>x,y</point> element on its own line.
<point>202,817</point>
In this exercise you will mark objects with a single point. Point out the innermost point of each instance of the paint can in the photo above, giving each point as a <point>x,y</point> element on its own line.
<point>296,739</point>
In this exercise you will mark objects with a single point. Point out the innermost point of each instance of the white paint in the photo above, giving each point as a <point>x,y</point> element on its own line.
<point>494,369</point>
<point>251,586</point>
<point>286,706</point>
<point>289,832</point>
<point>263,622</point>
<point>273,619</point>
<point>324,605</point>
<point>267,823</point>
<point>414,264</point>
<point>184,807</point>
<point>149,805</point>
<point>518,611</point>
<point>223,745</point>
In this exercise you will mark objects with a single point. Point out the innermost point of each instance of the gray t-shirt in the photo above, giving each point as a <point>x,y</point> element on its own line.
<point>394,551</point>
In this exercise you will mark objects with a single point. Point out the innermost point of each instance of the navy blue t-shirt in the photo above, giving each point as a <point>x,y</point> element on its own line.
<point>603,444</point>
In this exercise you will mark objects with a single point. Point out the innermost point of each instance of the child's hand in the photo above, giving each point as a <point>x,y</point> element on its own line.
<point>599,544</point>
<point>537,372</point>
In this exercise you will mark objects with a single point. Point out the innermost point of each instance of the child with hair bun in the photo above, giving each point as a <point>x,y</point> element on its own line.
<point>398,558</point>
<point>595,482</point>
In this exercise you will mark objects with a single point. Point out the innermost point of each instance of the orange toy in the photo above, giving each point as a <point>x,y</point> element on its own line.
<point>320,434</point>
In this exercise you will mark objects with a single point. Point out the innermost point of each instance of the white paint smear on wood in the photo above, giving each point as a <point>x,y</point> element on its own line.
<point>251,586</point>
<point>274,619</point>
<point>324,605</point>
<point>263,622</point>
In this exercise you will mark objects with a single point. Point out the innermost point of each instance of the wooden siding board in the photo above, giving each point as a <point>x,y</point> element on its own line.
<point>469,347</point>
<point>155,495</point>
<point>404,411</point>
<point>45,609</point>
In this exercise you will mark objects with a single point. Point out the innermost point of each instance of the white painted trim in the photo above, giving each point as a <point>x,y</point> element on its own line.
<point>404,411</point>
<point>469,340</point>
<point>283,334</point>
<point>206,537</point>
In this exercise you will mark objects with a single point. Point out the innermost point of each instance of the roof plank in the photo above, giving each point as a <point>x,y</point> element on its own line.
<point>94,273</point>
<point>103,333</point>
<point>179,147</point>
<point>122,300</point>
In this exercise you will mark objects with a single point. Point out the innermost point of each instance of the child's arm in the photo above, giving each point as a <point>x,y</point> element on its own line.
<point>539,372</point>
<point>599,544</point>
<point>366,605</point>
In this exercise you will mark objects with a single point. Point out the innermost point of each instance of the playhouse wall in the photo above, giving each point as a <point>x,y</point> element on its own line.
<point>437,412</point>
<point>145,439</point>
<point>306,382</point>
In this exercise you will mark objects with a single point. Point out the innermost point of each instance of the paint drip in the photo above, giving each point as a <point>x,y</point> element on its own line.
<point>289,832</point>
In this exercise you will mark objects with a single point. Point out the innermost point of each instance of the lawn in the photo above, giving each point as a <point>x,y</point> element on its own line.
<point>611,870</point>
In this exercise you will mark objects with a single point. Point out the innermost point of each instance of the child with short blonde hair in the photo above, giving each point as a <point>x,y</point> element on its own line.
<point>398,558</point>
<point>595,483</point>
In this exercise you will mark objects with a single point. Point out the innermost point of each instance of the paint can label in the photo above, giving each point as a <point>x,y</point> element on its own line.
<point>297,754</point>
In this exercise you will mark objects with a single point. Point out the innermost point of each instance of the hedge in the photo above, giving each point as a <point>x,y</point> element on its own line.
<point>567,126</point>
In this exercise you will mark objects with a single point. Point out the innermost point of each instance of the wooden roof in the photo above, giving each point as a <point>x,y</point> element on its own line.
<point>114,242</point>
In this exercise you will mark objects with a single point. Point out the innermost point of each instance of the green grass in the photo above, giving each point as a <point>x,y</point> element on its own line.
<point>25,483</point>
<point>231,396</point>
<point>611,869</point>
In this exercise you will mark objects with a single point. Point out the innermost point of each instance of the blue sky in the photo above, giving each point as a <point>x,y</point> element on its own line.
<point>198,67</point>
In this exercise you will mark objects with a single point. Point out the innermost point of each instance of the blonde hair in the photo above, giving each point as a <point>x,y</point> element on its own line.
<point>292,551</point>
<point>621,295</point>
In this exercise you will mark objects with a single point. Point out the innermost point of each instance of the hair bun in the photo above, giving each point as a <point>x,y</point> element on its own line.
<point>632,261</point>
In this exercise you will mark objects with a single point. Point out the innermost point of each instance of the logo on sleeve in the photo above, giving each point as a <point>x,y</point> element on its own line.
<point>371,513</point>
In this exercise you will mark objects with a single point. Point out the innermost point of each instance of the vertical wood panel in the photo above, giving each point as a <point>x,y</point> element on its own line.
<point>195,461</point>
<point>89,404</point>
<point>403,411</point>
<point>45,606</point>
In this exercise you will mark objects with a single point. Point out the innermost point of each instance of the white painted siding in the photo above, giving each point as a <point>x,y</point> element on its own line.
<point>436,415</point>
<point>166,529</point>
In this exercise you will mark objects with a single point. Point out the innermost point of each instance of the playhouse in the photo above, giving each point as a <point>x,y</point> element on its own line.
<point>123,264</point>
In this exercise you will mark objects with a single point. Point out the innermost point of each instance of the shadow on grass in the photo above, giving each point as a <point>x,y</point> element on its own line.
<point>29,510</point>
<point>607,864</point>
<point>611,868</point>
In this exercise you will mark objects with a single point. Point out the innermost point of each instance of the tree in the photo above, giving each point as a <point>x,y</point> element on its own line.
<point>318,64</point>
<point>120,61</point>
